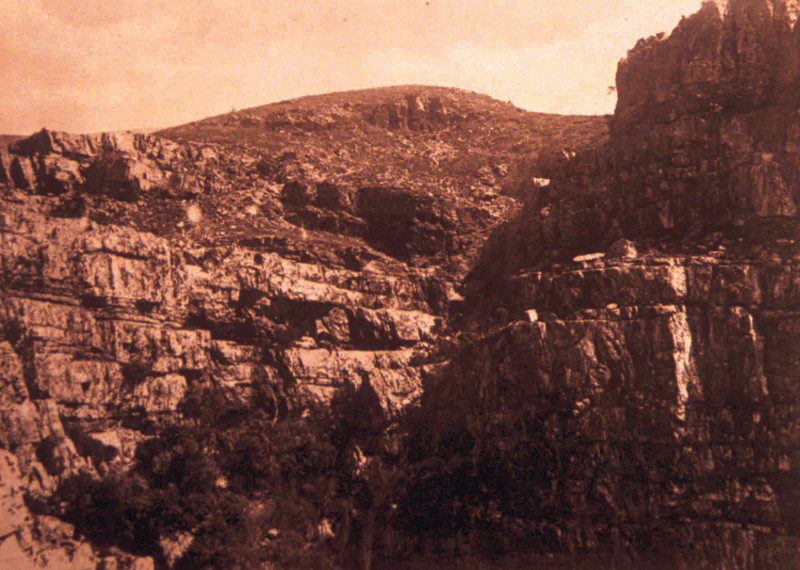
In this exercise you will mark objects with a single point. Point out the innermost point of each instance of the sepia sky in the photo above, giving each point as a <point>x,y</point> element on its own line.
<point>92,65</point>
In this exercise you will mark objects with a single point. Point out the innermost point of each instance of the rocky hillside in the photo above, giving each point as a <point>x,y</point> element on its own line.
<point>139,274</point>
<point>420,173</point>
<point>418,137</point>
<point>417,327</point>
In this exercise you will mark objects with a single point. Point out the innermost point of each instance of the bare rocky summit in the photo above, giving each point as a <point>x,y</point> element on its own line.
<point>389,323</point>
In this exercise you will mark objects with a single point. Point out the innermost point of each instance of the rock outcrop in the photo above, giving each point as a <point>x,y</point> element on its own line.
<point>138,274</point>
<point>644,312</point>
<point>693,151</point>
<point>731,55</point>
<point>94,312</point>
<point>106,329</point>
<point>663,388</point>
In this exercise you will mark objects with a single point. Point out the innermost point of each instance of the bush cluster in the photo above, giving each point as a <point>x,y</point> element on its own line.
<point>250,490</point>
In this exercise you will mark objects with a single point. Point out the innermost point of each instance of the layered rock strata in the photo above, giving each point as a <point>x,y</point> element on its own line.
<point>667,385</point>
<point>107,330</point>
<point>652,291</point>
<point>137,274</point>
<point>635,328</point>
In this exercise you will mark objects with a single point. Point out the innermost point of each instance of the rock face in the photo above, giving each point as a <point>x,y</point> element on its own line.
<point>104,316</point>
<point>644,306</point>
<point>718,117</point>
<point>734,55</point>
<point>106,330</point>
<point>698,145</point>
<point>138,273</point>
<point>664,388</point>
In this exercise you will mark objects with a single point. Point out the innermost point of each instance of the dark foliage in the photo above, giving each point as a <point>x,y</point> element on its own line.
<point>247,488</point>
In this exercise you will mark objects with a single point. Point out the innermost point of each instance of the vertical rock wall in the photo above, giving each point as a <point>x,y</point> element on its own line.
<point>644,308</point>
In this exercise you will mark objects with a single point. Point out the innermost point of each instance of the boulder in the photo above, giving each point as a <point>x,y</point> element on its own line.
<point>622,249</point>
<point>296,194</point>
<point>335,197</point>
<point>124,178</point>
<point>60,175</point>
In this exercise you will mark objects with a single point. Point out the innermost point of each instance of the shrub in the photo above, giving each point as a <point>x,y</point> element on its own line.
<point>228,483</point>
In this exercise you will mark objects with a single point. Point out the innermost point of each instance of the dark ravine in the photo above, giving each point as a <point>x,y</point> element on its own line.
<point>595,372</point>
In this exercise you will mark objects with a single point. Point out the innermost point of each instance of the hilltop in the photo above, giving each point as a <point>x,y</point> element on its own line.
<point>405,157</point>
<point>445,139</point>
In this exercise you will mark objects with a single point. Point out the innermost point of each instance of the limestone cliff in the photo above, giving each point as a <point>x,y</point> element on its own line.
<point>105,326</point>
<point>691,152</point>
<point>644,314</point>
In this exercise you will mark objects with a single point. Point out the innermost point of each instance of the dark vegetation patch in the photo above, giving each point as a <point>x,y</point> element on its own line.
<point>250,490</point>
<point>344,488</point>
